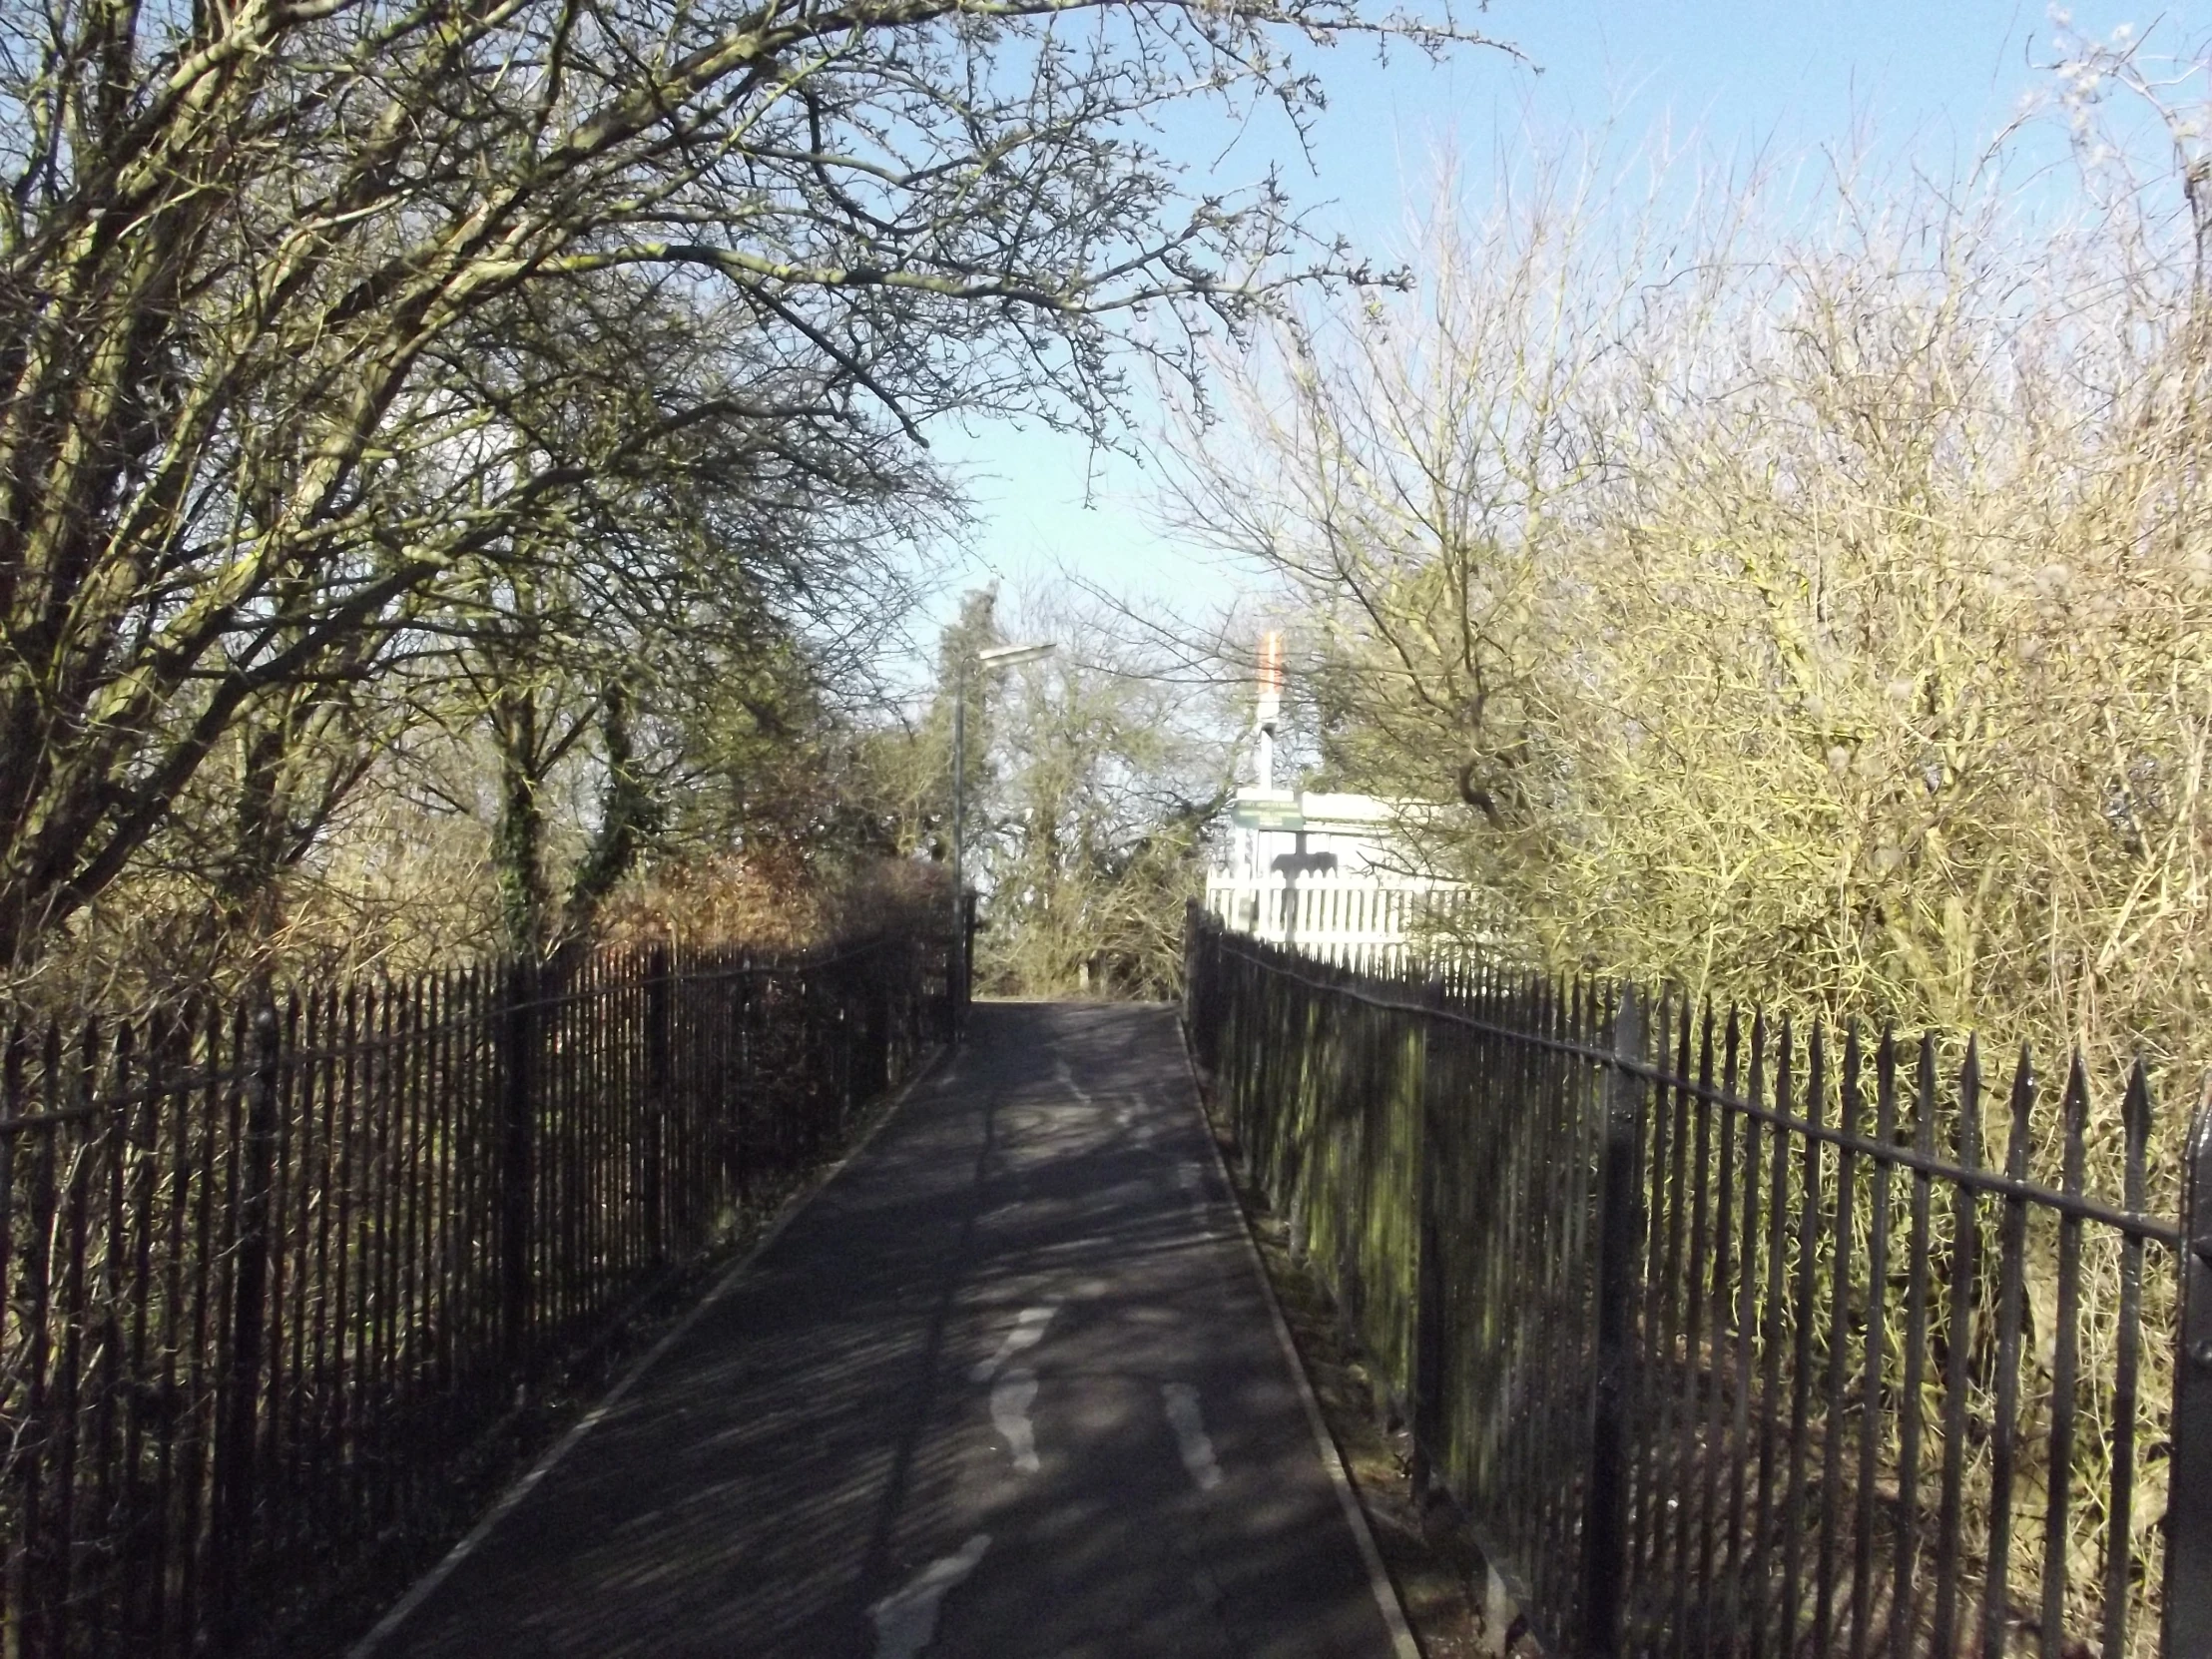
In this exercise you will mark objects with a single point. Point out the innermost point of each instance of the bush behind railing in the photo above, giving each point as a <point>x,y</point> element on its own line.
<point>1728,1338</point>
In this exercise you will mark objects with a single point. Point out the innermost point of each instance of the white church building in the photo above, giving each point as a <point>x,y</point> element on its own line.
<point>1317,870</point>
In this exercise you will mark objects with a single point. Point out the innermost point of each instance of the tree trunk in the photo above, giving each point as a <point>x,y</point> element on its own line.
<point>247,902</point>
<point>518,837</point>
<point>628,814</point>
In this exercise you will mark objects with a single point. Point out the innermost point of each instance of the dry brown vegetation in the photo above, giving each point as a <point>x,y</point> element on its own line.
<point>768,901</point>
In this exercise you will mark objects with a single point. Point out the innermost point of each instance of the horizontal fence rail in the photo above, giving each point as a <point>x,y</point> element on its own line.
<point>1737,1339</point>
<point>1370,924</point>
<point>271,1271</point>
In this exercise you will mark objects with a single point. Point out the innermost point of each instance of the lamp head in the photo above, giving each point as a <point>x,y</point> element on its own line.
<point>1006,656</point>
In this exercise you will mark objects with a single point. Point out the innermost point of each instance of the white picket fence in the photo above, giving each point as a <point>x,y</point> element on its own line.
<point>1365,924</point>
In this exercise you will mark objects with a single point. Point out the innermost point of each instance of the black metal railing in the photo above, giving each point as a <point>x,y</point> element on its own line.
<point>1735,1339</point>
<point>272,1273</point>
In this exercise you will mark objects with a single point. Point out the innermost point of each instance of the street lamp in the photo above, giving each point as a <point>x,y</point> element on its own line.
<point>995,657</point>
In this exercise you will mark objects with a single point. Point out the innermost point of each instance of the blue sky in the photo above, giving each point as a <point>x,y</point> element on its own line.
<point>1924,82</point>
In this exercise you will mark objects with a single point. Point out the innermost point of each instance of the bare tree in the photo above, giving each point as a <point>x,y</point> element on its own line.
<point>255,262</point>
<point>1808,609</point>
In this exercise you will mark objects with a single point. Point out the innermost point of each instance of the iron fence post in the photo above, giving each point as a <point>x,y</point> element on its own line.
<point>2189,1482</point>
<point>658,1104</point>
<point>1428,1274</point>
<point>1620,1224</point>
<point>950,1007</point>
<point>968,963</point>
<point>1190,962</point>
<point>745,1092</point>
<point>881,1020</point>
<point>232,1539</point>
<point>848,1043</point>
<point>518,1039</point>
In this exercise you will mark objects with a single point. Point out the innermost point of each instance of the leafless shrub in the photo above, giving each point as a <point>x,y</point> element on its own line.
<point>1799,602</point>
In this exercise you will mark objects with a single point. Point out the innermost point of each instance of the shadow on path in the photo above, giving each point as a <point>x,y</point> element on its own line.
<point>1007,1388</point>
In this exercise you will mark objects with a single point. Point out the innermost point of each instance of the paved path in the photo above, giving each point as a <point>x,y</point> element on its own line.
<point>1007,1388</point>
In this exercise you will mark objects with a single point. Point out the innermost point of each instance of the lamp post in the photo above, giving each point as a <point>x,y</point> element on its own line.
<point>995,657</point>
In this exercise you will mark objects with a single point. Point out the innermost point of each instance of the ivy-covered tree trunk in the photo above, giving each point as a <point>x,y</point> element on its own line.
<point>629,813</point>
<point>299,757</point>
<point>518,833</point>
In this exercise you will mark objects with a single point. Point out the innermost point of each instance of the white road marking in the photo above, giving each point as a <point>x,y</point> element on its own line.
<point>1193,1183</point>
<point>1128,1122</point>
<point>1181,1401</point>
<point>1011,1396</point>
<point>907,1619</point>
<point>1029,1331</point>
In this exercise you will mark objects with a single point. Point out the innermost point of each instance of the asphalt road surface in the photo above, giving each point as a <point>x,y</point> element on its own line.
<point>1007,1388</point>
